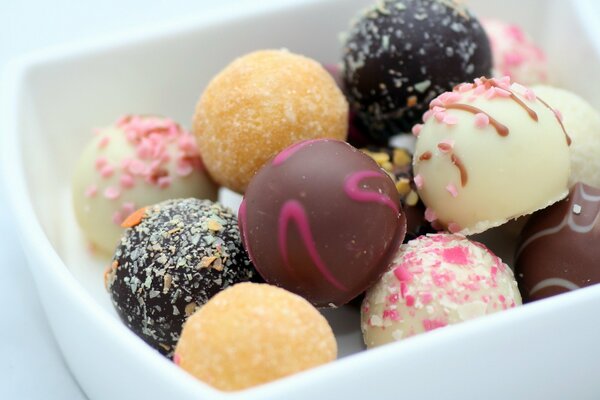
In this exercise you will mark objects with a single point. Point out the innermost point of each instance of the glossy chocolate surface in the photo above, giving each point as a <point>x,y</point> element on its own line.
<point>321,219</point>
<point>559,247</point>
<point>399,55</point>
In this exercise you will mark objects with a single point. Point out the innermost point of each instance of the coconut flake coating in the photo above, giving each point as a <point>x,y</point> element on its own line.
<point>175,257</point>
<point>488,152</point>
<point>260,104</point>
<point>435,281</point>
<point>251,334</point>
<point>399,55</point>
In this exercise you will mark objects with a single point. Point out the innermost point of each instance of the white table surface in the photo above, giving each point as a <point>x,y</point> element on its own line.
<point>31,365</point>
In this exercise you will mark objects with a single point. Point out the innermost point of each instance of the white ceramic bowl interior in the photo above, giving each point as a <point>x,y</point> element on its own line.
<point>51,102</point>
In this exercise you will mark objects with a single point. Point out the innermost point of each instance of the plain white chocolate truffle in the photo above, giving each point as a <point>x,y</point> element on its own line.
<point>250,334</point>
<point>435,281</point>
<point>489,152</point>
<point>137,162</point>
<point>582,122</point>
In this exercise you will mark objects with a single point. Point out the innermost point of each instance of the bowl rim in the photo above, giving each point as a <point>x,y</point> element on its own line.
<point>31,234</point>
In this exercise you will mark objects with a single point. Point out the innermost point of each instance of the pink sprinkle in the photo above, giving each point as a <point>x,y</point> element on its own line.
<point>393,298</point>
<point>111,193</point>
<point>452,190</point>
<point>164,182</point>
<point>449,97</point>
<point>427,115</point>
<point>117,218</point>
<point>103,142</point>
<point>418,179</point>
<point>458,255</point>
<point>106,171</point>
<point>417,129</point>
<point>91,191</point>
<point>490,93</point>
<point>529,94</point>
<point>453,227</point>
<point>440,279</point>
<point>187,144</point>
<point>479,90</point>
<point>101,162</point>
<point>402,274</point>
<point>516,33</point>
<point>558,114</point>
<point>446,145</point>
<point>184,168</point>
<point>431,324</point>
<point>430,215</point>
<point>503,83</point>
<point>481,120</point>
<point>513,59</point>
<point>501,92</point>
<point>464,87</point>
<point>502,298</point>
<point>450,119</point>
<point>410,300</point>
<point>426,298</point>
<point>478,82</point>
<point>391,314</point>
<point>136,167</point>
<point>127,181</point>
<point>437,102</point>
<point>176,359</point>
<point>439,115</point>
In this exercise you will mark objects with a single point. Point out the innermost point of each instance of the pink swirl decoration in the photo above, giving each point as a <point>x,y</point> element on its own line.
<point>290,150</point>
<point>351,186</point>
<point>292,210</point>
<point>243,232</point>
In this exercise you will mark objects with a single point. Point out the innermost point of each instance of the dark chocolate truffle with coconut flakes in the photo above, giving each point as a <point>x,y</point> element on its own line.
<point>173,258</point>
<point>401,54</point>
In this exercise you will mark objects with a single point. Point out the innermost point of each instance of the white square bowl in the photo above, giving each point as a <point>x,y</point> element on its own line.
<point>52,100</point>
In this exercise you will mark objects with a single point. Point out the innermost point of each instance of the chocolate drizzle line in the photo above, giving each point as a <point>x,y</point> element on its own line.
<point>425,156</point>
<point>558,119</point>
<point>461,167</point>
<point>500,128</point>
<point>532,114</point>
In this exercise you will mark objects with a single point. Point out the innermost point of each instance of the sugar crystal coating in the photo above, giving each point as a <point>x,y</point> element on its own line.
<point>251,334</point>
<point>435,281</point>
<point>258,105</point>
<point>173,259</point>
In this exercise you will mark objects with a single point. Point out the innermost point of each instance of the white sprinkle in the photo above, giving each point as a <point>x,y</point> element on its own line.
<point>576,209</point>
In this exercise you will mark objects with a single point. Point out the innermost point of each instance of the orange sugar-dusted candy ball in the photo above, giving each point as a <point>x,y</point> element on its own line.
<point>251,334</point>
<point>260,104</point>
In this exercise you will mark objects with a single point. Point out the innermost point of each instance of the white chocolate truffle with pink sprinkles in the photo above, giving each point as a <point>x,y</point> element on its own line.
<point>435,281</point>
<point>515,54</point>
<point>137,162</point>
<point>488,152</point>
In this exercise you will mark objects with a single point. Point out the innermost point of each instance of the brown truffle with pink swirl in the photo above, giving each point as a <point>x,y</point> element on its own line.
<point>322,219</point>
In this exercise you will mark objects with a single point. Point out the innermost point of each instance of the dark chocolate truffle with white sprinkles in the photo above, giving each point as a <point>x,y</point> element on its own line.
<point>400,54</point>
<point>322,220</point>
<point>173,258</point>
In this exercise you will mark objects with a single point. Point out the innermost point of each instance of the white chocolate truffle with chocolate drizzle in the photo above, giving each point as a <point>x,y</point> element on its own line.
<point>488,152</point>
<point>435,281</point>
<point>138,161</point>
<point>582,122</point>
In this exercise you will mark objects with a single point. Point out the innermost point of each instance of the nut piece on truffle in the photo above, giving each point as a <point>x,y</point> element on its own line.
<point>260,104</point>
<point>400,54</point>
<point>488,152</point>
<point>322,220</point>
<point>173,258</point>
<point>251,334</point>
<point>435,281</point>
<point>140,160</point>
<point>582,122</point>
<point>558,249</point>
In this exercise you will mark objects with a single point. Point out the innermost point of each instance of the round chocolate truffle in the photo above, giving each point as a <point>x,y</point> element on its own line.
<point>488,152</point>
<point>322,220</point>
<point>399,55</point>
<point>435,281</point>
<point>558,248</point>
<point>258,105</point>
<point>139,160</point>
<point>173,258</point>
<point>251,334</point>
<point>397,162</point>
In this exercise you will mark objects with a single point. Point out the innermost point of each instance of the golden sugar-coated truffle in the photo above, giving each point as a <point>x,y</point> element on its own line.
<point>260,104</point>
<point>251,334</point>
